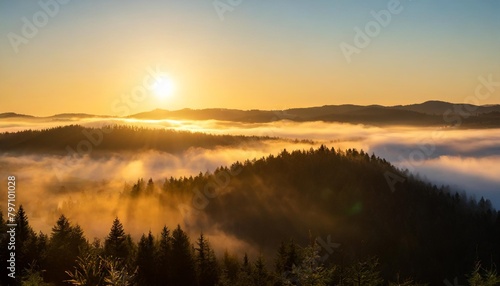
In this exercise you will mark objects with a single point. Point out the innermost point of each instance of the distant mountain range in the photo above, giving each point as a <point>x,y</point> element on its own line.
<point>61,115</point>
<point>423,114</point>
<point>427,113</point>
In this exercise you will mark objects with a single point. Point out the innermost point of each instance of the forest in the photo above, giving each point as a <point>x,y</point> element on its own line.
<point>429,113</point>
<point>380,225</point>
<point>117,138</point>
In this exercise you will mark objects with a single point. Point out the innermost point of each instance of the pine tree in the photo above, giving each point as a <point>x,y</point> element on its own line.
<point>26,243</point>
<point>292,257</point>
<point>115,244</point>
<point>42,245</point>
<point>206,263</point>
<point>146,260</point>
<point>183,268</point>
<point>23,230</point>
<point>164,257</point>
<point>310,271</point>
<point>364,273</point>
<point>138,188</point>
<point>65,245</point>
<point>245,273</point>
<point>4,279</point>
<point>489,278</point>
<point>230,267</point>
<point>280,261</point>
<point>150,187</point>
<point>260,274</point>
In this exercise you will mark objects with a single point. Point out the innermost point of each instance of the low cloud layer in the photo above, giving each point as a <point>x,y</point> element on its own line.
<point>88,189</point>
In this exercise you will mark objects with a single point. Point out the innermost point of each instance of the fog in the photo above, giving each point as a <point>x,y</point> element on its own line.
<point>88,189</point>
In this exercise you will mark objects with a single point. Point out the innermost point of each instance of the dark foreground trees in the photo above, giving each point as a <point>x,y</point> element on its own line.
<point>67,243</point>
<point>413,231</point>
<point>172,259</point>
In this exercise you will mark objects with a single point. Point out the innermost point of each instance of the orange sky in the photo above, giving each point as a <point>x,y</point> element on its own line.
<point>261,55</point>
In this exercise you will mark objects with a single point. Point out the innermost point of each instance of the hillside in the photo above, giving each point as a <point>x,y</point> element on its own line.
<point>117,138</point>
<point>430,113</point>
<point>14,115</point>
<point>415,229</point>
<point>439,107</point>
<point>358,208</point>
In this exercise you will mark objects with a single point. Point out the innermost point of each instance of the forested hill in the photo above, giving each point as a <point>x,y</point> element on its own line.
<point>114,138</point>
<point>371,223</point>
<point>416,229</point>
<point>430,113</point>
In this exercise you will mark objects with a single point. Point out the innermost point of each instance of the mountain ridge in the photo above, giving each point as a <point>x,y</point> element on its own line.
<point>431,112</point>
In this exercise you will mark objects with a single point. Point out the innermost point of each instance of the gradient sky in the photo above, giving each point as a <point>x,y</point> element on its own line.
<point>264,54</point>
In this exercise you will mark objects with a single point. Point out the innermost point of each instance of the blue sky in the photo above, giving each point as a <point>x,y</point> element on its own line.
<point>263,54</point>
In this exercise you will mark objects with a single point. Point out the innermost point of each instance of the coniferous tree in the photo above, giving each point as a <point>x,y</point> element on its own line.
<point>116,243</point>
<point>280,261</point>
<point>245,273</point>
<point>230,267</point>
<point>286,257</point>
<point>364,273</point>
<point>23,230</point>
<point>42,245</point>
<point>292,257</point>
<point>183,268</point>
<point>65,245</point>
<point>146,261</point>
<point>481,277</point>
<point>138,188</point>
<point>310,271</point>
<point>206,263</point>
<point>26,243</point>
<point>260,275</point>
<point>164,258</point>
<point>150,187</point>
<point>4,253</point>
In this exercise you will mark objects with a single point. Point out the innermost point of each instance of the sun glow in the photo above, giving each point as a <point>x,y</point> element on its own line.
<point>163,87</point>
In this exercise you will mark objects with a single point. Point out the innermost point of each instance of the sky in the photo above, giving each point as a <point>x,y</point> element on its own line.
<point>101,56</point>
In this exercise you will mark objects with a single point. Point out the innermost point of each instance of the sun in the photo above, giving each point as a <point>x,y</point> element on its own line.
<point>163,87</point>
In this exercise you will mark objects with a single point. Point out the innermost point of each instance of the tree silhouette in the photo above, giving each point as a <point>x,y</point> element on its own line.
<point>164,257</point>
<point>286,257</point>
<point>146,251</point>
<point>116,243</point>
<point>66,243</point>
<point>26,243</point>
<point>260,274</point>
<point>206,264</point>
<point>183,270</point>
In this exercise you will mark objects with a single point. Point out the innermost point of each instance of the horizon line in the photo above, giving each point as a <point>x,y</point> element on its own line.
<point>238,109</point>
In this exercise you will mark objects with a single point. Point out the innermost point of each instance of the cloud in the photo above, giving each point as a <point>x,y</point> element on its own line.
<point>478,176</point>
<point>88,189</point>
